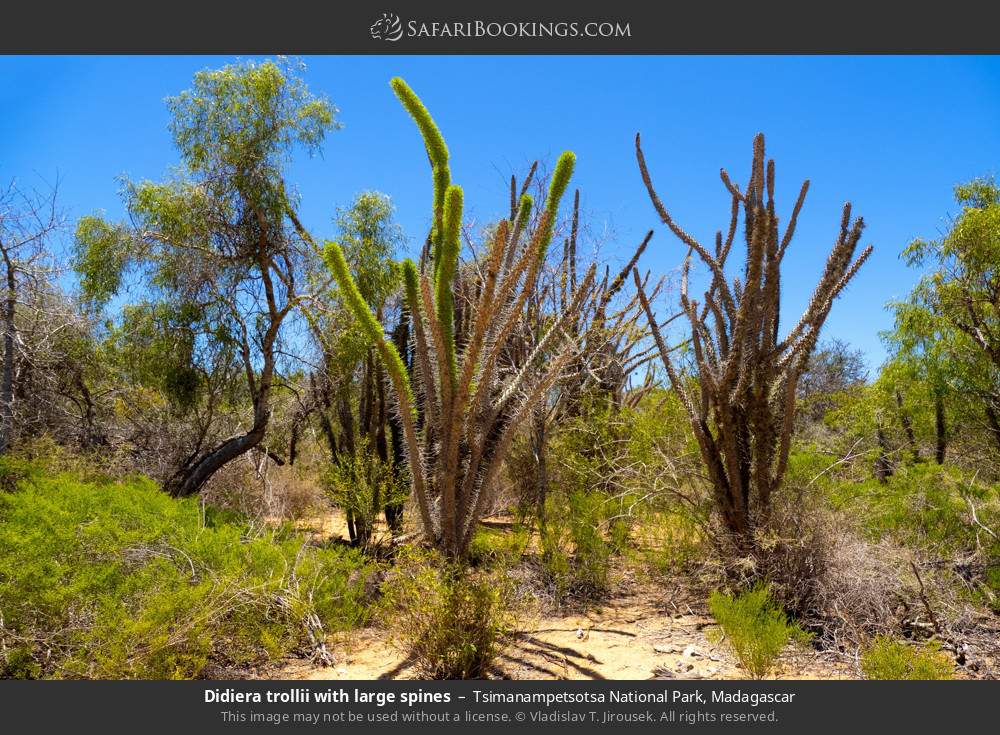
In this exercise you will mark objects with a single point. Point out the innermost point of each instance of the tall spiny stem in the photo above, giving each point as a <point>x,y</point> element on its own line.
<point>470,410</point>
<point>742,405</point>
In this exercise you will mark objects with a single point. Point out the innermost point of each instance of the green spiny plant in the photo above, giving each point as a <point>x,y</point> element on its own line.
<point>470,400</point>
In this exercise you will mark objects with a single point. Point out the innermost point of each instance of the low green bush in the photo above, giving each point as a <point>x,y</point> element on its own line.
<point>921,505</point>
<point>755,627</point>
<point>102,579</point>
<point>670,540</point>
<point>498,547</point>
<point>894,660</point>
<point>362,485</point>
<point>576,552</point>
<point>556,555</point>
<point>452,621</point>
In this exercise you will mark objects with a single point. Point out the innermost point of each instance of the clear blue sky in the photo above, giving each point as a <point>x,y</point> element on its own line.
<point>892,134</point>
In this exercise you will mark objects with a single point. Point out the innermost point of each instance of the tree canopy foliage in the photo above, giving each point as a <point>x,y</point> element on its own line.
<point>214,250</point>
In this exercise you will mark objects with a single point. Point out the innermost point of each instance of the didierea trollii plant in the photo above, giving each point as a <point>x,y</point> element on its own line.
<point>741,406</point>
<point>460,403</point>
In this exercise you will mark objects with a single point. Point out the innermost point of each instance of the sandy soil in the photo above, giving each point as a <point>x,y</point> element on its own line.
<point>631,637</point>
<point>644,632</point>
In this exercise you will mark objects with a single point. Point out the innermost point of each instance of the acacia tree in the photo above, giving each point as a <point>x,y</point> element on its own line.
<point>960,296</point>
<point>741,400</point>
<point>471,402</point>
<point>214,249</point>
<point>920,361</point>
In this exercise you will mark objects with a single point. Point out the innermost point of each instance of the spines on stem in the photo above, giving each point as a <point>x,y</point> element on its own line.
<point>444,296</point>
<point>437,152</point>
<point>557,187</point>
<point>411,287</point>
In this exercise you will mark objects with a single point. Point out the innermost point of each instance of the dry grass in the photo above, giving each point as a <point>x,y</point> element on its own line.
<point>259,489</point>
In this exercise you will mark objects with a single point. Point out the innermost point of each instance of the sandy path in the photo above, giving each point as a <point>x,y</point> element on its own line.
<point>626,638</point>
<point>636,635</point>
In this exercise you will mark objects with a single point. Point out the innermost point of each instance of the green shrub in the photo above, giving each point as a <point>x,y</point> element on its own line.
<point>498,547</point>
<point>119,580</point>
<point>576,554</point>
<point>362,485</point>
<point>453,622</point>
<point>592,552</point>
<point>894,660</point>
<point>755,627</point>
<point>610,469</point>
<point>671,539</point>
<point>13,471</point>
<point>922,505</point>
<point>556,553</point>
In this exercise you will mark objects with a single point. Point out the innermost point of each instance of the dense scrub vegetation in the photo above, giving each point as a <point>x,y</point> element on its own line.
<point>500,420</point>
<point>114,579</point>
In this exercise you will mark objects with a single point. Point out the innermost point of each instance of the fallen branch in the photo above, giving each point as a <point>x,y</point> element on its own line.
<point>924,600</point>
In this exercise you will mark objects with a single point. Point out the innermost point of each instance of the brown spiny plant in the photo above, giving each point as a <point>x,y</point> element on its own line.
<point>613,345</point>
<point>470,400</point>
<point>741,398</point>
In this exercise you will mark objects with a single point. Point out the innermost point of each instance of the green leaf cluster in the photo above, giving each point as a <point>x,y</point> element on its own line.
<point>756,628</point>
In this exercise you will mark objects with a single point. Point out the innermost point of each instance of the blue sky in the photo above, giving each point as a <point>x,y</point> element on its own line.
<point>892,134</point>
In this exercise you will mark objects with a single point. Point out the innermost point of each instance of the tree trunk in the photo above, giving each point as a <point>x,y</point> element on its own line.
<point>539,441</point>
<point>352,530</point>
<point>293,445</point>
<point>940,428</point>
<point>90,436</point>
<point>904,419</point>
<point>883,463</point>
<point>7,378</point>
<point>346,417</point>
<point>364,516</point>
<point>331,439</point>
<point>394,511</point>
<point>193,479</point>
<point>993,418</point>
<point>381,442</point>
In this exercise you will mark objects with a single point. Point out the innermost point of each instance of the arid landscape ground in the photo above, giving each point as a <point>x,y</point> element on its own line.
<point>649,629</point>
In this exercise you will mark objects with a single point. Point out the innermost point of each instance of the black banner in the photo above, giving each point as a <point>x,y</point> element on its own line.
<point>496,706</point>
<point>515,27</point>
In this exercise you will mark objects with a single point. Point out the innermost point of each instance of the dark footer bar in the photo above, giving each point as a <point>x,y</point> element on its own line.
<point>183,708</point>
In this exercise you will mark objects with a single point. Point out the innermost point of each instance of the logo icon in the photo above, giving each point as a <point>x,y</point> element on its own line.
<point>387,28</point>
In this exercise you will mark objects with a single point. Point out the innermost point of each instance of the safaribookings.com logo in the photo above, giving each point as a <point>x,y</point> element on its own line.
<point>390,28</point>
<point>387,28</point>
